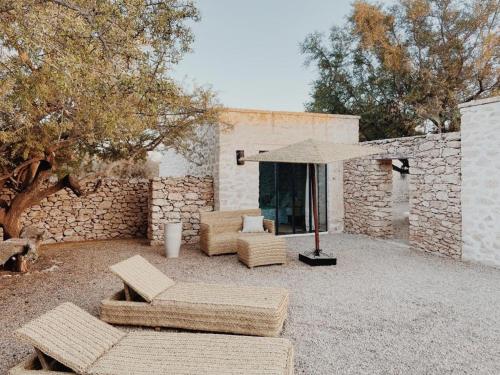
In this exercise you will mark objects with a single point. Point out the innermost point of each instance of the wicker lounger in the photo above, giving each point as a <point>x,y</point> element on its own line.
<point>69,339</point>
<point>161,302</point>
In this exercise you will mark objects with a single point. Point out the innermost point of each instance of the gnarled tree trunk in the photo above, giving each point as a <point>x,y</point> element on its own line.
<point>12,226</point>
<point>11,222</point>
<point>31,190</point>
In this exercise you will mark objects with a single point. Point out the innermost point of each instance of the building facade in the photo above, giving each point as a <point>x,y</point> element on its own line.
<point>281,191</point>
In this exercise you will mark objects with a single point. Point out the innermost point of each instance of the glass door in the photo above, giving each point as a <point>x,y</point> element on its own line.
<point>267,190</point>
<point>285,197</point>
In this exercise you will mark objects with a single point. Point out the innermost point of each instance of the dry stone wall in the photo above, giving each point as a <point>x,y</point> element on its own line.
<point>434,184</point>
<point>117,209</point>
<point>174,199</point>
<point>367,197</point>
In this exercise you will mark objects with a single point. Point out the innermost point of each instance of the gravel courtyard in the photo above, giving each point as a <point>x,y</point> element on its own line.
<point>382,310</point>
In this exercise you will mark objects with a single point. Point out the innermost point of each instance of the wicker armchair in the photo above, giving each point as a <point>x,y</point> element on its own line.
<point>219,230</point>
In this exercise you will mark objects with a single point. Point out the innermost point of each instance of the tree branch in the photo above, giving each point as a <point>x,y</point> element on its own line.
<point>67,181</point>
<point>19,169</point>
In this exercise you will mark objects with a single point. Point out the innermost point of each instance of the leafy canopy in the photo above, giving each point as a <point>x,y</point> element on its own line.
<point>406,68</point>
<point>82,80</point>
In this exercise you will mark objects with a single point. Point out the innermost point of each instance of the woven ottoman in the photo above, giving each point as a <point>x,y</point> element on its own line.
<point>261,250</point>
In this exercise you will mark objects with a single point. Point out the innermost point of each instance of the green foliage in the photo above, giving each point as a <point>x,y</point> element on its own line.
<point>406,68</point>
<point>89,79</point>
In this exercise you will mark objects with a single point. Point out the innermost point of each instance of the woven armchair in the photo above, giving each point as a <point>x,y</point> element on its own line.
<point>219,230</point>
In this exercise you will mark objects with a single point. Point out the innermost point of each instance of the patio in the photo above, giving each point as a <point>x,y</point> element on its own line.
<point>382,310</point>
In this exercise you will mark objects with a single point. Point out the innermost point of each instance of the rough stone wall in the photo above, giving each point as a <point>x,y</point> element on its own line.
<point>367,197</point>
<point>118,209</point>
<point>481,181</point>
<point>174,199</point>
<point>434,188</point>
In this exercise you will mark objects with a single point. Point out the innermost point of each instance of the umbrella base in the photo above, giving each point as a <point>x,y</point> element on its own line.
<point>323,259</point>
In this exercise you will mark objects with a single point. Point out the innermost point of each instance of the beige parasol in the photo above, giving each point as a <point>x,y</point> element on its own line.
<point>313,152</point>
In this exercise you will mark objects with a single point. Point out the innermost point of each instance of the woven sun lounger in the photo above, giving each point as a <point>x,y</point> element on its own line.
<point>150,298</point>
<point>70,340</point>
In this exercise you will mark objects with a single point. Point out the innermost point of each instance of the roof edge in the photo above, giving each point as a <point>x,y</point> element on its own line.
<point>290,113</point>
<point>474,103</point>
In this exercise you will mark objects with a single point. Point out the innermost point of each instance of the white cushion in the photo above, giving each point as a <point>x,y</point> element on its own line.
<point>253,224</point>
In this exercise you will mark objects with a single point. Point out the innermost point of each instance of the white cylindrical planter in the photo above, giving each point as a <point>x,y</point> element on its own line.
<point>173,238</point>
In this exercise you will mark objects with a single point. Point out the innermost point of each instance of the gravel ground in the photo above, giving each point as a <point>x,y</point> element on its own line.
<point>382,310</point>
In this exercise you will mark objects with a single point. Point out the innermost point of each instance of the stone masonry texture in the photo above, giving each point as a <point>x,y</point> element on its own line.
<point>434,184</point>
<point>117,209</point>
<point>123,209</point>
<point>178,199</point>
<point>367,197</point>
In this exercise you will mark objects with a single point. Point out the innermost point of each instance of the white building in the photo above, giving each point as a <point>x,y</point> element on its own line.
<point>280,190</point>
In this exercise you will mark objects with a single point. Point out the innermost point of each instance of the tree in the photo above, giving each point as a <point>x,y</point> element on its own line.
<point>406,68</point>
<point>86,82</point>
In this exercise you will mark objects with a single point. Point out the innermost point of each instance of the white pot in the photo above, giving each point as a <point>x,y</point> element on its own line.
<point>173,238</point>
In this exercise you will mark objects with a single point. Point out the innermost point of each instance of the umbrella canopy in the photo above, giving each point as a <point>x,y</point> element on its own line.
<point>312,151</point>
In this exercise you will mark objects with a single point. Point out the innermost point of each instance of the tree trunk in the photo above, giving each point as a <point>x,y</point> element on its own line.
<point>12,216</point>
<point>34,193</point>
<point>12,223</point>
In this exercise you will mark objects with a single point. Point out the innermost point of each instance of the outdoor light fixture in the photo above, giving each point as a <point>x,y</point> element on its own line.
<point>240,154</point>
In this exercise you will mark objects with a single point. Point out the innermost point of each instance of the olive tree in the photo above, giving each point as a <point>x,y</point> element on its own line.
<point>407,66</point>
<point>85,82</point>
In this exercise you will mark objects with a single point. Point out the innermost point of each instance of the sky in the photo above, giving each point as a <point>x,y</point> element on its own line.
<point>248,51</point>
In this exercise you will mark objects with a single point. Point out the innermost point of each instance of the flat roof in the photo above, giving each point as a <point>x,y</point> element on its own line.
<point>289,113</point>
<point>474,103</point>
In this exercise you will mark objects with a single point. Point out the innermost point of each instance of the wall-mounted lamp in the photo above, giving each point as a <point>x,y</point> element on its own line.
<point>240,154</point>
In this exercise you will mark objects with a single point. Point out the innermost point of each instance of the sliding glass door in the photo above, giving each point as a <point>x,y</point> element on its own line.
<point>285,197</point>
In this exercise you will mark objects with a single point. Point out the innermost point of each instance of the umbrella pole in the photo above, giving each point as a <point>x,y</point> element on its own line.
<point>312,172</point>
<point>317,257</point>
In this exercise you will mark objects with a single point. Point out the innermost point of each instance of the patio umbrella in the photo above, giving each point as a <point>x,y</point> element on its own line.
<point>313,152</point>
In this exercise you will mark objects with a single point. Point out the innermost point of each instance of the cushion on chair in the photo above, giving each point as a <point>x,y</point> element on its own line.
<point>253,224</point>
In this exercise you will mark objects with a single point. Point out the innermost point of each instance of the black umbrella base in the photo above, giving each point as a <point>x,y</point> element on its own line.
<point>323,259</point>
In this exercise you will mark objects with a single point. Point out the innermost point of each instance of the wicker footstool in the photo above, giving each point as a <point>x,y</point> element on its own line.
<point>261,250</point>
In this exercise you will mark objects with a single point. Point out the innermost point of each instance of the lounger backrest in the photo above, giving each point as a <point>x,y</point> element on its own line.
<point>140,275</point>
<point>71,336</point>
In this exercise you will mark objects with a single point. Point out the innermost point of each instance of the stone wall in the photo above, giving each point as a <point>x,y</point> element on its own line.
<point>367,197</point>
<point>481,181</point>
<point>434,189</point>
<point>118,209</point>
<point>174,199</point>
